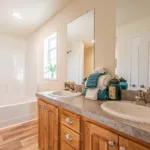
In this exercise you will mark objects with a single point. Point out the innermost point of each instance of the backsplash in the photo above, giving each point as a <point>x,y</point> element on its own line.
<point>130,95</point>
<point>78,88</point>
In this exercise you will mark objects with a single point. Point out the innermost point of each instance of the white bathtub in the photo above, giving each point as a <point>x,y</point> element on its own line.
<point>17,113</point>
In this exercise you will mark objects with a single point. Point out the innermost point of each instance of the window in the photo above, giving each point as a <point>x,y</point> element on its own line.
<point>50,57</point>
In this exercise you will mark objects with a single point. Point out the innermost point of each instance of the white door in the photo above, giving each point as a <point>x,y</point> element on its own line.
<point>144,61</point>
<point>134,63</point>
<point>140,62</point>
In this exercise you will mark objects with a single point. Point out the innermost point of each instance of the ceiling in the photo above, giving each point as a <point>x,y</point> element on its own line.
<point>132,10</point>
<point>34,14</point>
<point>82,29</point>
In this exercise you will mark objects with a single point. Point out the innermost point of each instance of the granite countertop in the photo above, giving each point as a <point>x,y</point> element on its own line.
<point>92,110</point>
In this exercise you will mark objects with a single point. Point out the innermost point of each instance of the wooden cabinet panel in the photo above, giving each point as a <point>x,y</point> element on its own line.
<point>65,146</point>
<point>125,144</point>
<point>97,138</point>
<point>48,126</point>
<point>70,137</point>
<point>71,120</point>
<point>98,143</point>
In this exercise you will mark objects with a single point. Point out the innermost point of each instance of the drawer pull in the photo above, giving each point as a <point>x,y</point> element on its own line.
<point>111,143</point>
<point>68,120</point>
<point>68,137</point>
<point>122,148</point>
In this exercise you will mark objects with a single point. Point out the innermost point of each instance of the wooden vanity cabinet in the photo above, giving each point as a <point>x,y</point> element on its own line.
<point>125,144</point>
<point>48,126</point>
<point>97,138</point>
<point>77,132</point>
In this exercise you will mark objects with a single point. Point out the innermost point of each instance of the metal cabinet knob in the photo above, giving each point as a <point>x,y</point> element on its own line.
<point>46,108</point>
<point>142,86</point>
<point>68,120</point>
<point>122,148</point>
<point>68,137</point>
<point>111,143</point>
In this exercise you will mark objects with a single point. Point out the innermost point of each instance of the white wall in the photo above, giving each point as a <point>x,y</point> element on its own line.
<point>13,69</point>
<point>104,33</point>
<point>31,70</point>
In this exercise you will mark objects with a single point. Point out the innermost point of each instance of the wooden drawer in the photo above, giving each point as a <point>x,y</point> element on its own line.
<point>65,146</point>
<point>71,120</point>
<point>70,137</point>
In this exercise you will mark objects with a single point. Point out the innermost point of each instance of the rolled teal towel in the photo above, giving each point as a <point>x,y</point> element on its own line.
<point>103,94</point>
<point>123,85</point>
<point>84,92</point>
<point>92,80</point>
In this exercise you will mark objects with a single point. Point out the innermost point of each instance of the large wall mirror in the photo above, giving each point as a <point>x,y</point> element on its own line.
<point>133,43</point>
<point>80,52</point>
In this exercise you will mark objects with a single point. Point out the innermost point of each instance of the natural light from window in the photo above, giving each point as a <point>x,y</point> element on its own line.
<point>50,57</point>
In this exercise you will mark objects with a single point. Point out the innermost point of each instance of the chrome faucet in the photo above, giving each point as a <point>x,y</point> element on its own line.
<point>70,86</point>
<point>140,99</point>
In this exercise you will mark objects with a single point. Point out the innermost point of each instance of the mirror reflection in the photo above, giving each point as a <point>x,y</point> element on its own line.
<point>80,52</point>
<point>133,43</point>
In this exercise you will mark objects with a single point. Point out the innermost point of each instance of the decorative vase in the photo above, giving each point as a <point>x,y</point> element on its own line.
<point>52,75</point>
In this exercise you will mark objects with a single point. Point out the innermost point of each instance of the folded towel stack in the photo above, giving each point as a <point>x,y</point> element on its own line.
<point>97,86</point>
<point>92,80</point>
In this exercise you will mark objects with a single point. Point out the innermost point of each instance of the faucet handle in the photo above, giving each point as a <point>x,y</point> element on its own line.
<point>137,98</point>
<point>140,99</point>
<point>141,93</point>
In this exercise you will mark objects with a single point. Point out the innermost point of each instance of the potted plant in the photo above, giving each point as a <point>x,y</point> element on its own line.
<point>51,69</point>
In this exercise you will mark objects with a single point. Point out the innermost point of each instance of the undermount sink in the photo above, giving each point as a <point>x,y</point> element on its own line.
<point>127,110</point>
<point>64,94</point>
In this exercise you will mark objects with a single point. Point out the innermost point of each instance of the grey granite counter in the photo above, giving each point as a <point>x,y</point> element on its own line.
<point>93,110</point>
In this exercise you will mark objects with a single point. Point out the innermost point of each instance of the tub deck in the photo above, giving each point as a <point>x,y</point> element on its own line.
<point>14,114</point>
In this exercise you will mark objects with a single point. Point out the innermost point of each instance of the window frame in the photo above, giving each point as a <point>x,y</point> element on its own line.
<point>46,50</point>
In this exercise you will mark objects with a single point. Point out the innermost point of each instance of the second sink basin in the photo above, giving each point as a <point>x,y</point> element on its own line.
<point>64,94</point>
<point>127,110</point>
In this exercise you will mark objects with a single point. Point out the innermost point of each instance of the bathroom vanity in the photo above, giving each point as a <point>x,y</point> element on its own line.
<point>80,124</point>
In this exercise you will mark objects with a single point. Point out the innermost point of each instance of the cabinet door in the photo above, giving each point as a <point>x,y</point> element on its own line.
<point>48,126</point>
<point>125,144</point>
<point>97,138</point>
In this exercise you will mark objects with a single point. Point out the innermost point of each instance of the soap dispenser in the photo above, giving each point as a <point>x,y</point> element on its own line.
<point>114,90</point>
